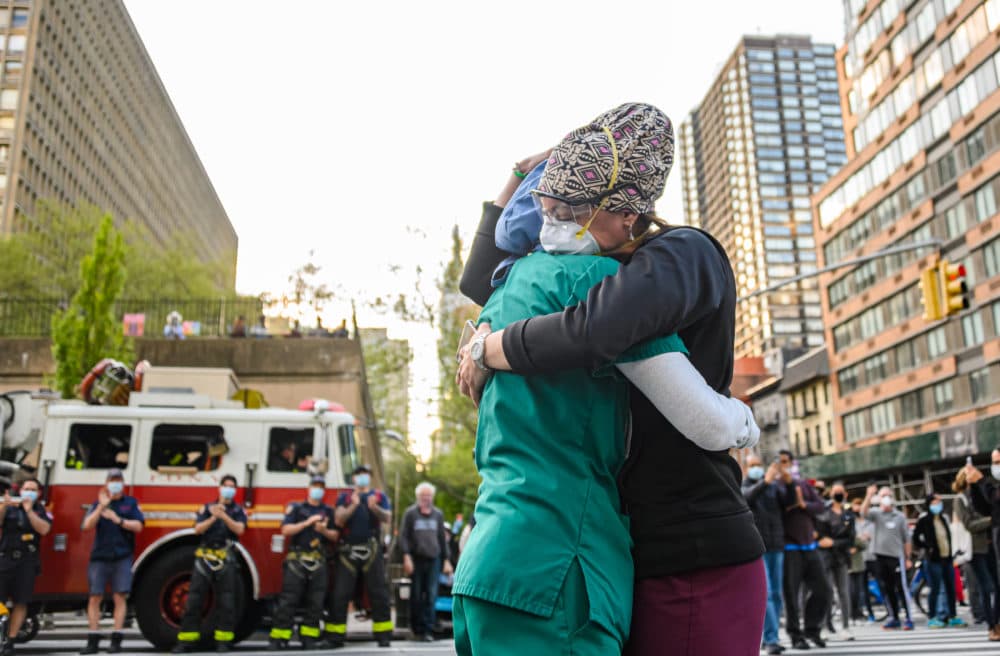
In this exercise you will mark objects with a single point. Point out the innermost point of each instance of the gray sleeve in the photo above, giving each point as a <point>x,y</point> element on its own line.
<point>712,421</point>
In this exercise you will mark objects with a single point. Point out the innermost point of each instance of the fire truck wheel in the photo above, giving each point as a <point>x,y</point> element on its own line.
<point>161,594</point>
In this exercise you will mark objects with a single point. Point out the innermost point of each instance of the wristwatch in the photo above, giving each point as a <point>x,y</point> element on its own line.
<point>478,352</point>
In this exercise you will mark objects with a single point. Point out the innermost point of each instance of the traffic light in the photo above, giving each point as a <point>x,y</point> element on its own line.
<point>930,294</point>
<point>952,287</point>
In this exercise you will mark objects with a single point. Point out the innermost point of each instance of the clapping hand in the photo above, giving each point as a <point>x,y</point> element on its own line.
<point>972,474</point>
<point>216,510</point>
<point>110,515</point>
<point>372,501</point>
<point>103,498</point>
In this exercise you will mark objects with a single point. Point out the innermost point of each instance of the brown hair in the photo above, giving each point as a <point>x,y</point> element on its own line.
<point>960,484</point>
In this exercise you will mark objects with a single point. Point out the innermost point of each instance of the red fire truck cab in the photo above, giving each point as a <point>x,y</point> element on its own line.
<point>173,448</point>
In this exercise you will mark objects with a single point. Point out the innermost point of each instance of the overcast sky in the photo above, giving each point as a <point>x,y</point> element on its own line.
<point>365,130</point>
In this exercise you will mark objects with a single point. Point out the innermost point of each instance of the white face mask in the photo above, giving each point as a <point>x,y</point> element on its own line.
<point>886,502</point>
<point>995,470</point>
<point>560,237</point>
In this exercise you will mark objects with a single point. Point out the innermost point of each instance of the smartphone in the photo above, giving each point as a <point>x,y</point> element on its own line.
<point>968,460</point>
<point>467,332</point>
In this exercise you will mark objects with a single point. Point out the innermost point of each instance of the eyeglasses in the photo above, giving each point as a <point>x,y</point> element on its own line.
<point>561,210</point>
<point>598,200</point>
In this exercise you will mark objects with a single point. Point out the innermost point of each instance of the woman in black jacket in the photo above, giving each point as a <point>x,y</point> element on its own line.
<point>696,544</point>
<point>933,537</point>
<point>835,529</point>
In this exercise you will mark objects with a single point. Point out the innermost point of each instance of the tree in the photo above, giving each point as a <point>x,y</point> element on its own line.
<point>88,330</point>
<point>307,293</point>
<point>45,263</point>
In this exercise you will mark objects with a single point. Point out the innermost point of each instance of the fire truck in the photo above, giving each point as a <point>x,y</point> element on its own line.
<point>173,447</point>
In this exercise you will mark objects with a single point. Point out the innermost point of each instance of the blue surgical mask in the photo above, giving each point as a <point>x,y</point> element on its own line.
<point>29,495</point>
<point>560,237</point>
<point>936,508</point>
<point>227,493</point>
<point>755,473</point>
<point>316,493</point>
<point>115,487</point>
<point>362,480</point>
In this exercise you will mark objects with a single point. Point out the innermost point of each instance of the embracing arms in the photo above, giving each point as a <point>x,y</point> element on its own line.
<point>711,420</point>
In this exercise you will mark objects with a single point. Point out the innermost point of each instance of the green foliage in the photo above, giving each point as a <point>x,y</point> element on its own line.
<point>451,467</point>
<point>87,330</point>
<point>45,263</point>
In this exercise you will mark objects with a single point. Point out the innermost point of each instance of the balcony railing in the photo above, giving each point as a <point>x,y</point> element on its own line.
<point>32,317</point>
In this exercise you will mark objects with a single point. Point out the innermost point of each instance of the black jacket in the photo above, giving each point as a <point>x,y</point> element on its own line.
<point>687,510</point>
<point>986,499</point>
<point>924,537</point>
<point>766,503</point>
<point>840,528</point>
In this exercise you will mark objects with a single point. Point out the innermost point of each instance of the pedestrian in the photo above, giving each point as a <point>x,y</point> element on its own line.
<point>215,571</point>
<point>891,547</point>
<point>859,569</point>
<point>805,574</point>
<point>361,557</point>
<point>309,528</point>
<point>686,555</point>
<point>764,492</point>
<point>837,537</point>
<point>24,521</point>
<point>115,518</point>
<point>174,328</point>
<point>424,541</point>
<point>239,328</point>
<point>985,496</point>
<point>984,565</point>
<point>933,537</point>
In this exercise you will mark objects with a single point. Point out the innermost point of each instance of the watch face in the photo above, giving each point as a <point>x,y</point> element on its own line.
<point>477,350</point>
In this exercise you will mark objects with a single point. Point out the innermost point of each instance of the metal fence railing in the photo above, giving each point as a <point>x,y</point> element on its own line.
<point>32,317</point>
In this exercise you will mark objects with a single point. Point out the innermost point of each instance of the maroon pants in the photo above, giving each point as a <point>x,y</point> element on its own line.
<point>712,612</point>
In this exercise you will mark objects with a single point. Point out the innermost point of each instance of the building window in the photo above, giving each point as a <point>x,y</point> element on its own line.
<point>8,99</point>
<point>20,18</point>
<point>16,43</point>
<point>937,342</point>
<point>979,385</point>
<point>911,406</point>
<point>944,397</point>
<point>178,447</point>
<point>829,434</point>
<point>972,329</point>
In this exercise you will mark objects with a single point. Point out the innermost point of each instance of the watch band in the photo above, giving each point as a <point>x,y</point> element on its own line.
<point>478,352</point>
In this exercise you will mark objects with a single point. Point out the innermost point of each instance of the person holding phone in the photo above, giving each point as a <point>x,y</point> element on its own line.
<point>551,447</point>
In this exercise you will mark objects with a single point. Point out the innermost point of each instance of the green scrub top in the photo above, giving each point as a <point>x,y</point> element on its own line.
<point>549,449</point>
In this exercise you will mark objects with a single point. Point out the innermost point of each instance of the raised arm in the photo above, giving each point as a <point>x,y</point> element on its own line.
<point>682,270</point>
<point>712,421</point>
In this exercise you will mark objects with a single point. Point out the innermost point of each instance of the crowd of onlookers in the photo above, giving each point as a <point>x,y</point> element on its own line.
<point>827,551</point>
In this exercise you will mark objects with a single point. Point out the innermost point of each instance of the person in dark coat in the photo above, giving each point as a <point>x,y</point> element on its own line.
<point>837,537</point>
<point>763,491</point>
<point>933,537</point>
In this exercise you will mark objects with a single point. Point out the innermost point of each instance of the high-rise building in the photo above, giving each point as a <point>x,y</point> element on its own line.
<point>767,135</point>
<point>921,90</point>
<point>85,117</point>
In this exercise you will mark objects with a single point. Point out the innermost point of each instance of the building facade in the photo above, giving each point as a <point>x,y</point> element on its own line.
<point>85,117</point>
<point>767,135</point>
<point>921,94</point>
<point>805,388</point>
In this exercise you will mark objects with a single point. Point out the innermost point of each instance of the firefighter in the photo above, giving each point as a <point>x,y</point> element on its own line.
<point>24,522</point>
<point>310,527</point>
<point>220,526</point>
<point>361,513</point>
<point>116,518</point>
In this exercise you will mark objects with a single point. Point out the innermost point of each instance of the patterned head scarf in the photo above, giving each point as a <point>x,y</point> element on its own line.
<point>629,149</point>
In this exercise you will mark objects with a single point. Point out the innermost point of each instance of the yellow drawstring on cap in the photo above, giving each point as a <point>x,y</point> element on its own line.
<point>611,185</point>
